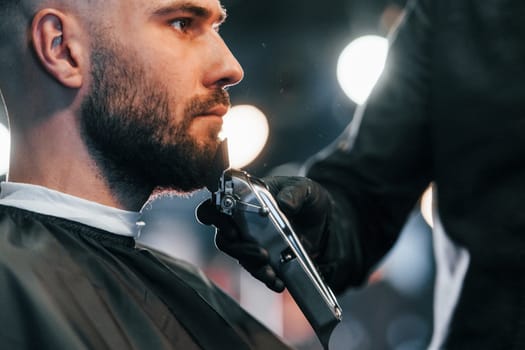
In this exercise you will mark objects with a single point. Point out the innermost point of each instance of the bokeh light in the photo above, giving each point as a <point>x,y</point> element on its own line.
<point>360,65</point>
<point>4,149</point>
<point>246,128</point>
<point>426,206</point>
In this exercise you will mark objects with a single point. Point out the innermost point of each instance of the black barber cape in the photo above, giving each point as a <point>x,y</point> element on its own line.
<point>65,285</point>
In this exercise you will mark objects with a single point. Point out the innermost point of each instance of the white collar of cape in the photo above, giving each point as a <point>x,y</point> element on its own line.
<point>45,201</point>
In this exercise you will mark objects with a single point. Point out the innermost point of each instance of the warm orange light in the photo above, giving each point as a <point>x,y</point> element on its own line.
<point>247,130</point>
<point>426,206</point>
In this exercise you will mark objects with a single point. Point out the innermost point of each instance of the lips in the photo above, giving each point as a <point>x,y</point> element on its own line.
<point>219,110</point>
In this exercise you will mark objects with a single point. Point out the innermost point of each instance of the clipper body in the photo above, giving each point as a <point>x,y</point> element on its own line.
<point>247,200</point>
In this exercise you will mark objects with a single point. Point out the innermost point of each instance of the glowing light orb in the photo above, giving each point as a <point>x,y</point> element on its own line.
<point>426,206</point>
<point>360,65</point>
<point>4,149</point>
<point>247,130</point>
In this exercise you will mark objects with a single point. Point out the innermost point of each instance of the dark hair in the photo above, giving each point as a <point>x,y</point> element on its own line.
<point>15,18</point>
<point>8,6</point>
<point>9,14</point>
<point>14,21</point>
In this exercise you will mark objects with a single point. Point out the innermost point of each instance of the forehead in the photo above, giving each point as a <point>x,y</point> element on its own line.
<point>213,6</point>
<point>130,15</point>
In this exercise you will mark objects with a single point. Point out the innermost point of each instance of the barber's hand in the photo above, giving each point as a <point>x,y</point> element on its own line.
<point>306,204</point>
<point>229,239</point>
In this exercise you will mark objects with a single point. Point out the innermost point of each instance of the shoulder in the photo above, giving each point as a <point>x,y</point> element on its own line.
<point>191,275</point>
<point>28,245</point>
<point>258,335</point>
<point>178,266</point>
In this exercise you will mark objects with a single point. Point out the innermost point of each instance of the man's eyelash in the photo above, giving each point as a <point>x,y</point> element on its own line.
<point>181,23</point>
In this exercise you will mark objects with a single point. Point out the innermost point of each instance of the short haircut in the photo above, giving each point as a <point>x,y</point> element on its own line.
<point>15,22</point>
<point>11,32</point>
<point>11,13</point>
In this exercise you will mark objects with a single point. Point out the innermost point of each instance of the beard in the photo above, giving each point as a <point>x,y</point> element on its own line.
<point>130,130</point>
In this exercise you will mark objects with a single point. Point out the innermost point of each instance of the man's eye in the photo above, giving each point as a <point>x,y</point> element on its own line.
<point>181,24</point>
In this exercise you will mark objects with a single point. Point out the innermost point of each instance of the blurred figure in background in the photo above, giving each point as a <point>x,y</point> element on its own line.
<point>449,111</point>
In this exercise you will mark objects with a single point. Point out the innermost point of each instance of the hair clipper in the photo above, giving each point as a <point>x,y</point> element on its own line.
<point>253,208</point>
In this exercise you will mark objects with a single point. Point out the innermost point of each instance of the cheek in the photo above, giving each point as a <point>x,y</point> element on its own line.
<point>174,69</point>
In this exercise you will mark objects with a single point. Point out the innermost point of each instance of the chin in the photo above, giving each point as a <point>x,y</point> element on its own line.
<point>209,145</point>
<point>207,134</point>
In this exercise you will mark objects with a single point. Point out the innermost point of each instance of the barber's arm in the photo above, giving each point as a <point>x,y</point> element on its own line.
<point>359,192</point>
<point>376,171</point>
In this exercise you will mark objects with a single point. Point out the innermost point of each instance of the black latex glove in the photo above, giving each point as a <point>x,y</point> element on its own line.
<point>306,204</point>
<point>308,207</point>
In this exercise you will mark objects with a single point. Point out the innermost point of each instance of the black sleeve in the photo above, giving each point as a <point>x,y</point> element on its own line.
<point>380,165</point>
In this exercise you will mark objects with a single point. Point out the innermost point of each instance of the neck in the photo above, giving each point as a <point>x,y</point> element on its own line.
<point>62,162</point>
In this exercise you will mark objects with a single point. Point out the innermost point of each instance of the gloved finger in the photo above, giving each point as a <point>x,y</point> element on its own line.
<point>298,195</point>
<point>267,275</point>
<point>289,191</point>
<point>208,214</point>
<point>248,253</point>
<point>292,199</point>
<point>252,258</point>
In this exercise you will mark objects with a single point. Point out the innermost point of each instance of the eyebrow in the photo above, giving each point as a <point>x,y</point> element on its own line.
<point>189,7</point>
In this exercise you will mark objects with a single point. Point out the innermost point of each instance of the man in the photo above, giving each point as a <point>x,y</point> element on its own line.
<point>109,100</point>
<point>448,110</point>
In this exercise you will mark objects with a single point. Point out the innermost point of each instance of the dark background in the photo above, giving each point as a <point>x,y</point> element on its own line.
<point>289,50</point>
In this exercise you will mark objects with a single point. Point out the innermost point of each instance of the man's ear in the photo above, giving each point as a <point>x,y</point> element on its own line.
<point>56,39</point>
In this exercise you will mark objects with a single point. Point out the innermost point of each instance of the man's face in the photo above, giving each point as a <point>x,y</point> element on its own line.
<point>157,94</point>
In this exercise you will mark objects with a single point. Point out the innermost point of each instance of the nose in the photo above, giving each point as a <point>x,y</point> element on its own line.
<point>225,71</point>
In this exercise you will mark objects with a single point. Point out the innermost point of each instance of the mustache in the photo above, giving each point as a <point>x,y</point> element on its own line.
<point>201,104</point>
